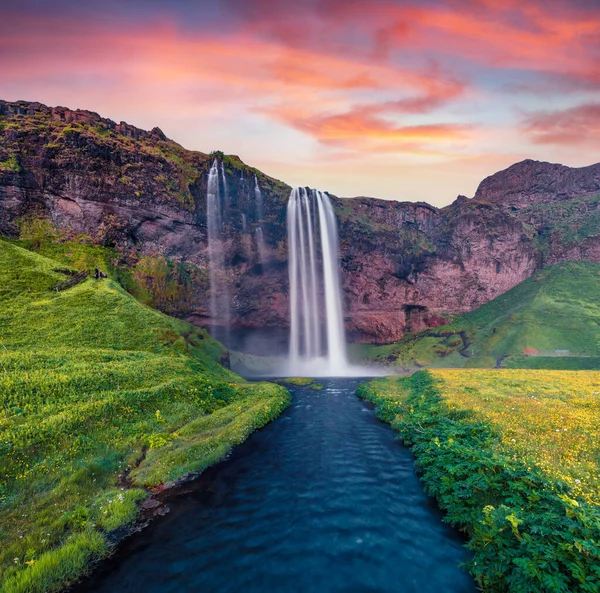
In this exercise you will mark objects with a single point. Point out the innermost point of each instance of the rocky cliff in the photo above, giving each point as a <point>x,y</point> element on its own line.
<point>405,266</point>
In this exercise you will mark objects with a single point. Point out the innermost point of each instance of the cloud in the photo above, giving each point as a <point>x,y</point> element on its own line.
<point>575,126</point>
<point>158,64</point>
<point>362,129</point>
<point>402,79</point>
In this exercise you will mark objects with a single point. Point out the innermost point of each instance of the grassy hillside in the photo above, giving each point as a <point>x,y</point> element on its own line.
<point>157,281</point>
<point>513,459</point>
<point>557,309</point>
<point>102,398</point>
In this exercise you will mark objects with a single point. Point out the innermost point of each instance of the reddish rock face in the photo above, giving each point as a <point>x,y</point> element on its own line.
<point>532,182</point>
<point>404,266</point>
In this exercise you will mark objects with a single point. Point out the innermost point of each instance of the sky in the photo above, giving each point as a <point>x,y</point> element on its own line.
<point>397,99</point>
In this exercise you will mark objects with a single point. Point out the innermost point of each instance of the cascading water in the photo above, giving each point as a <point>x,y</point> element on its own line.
<point>226,196</point>
<point>219,291</point>
<point>317,340</point>
<point>260,209</point>
<point>260,244</point>
<point>258,232</point>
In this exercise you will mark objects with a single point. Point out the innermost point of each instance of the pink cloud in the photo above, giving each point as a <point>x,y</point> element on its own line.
<point>575,126</point>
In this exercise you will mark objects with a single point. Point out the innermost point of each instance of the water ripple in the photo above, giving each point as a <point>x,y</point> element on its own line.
<point>323,500</point>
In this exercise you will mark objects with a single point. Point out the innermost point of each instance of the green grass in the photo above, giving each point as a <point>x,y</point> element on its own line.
<point>512,459</point>
<point>11,164</point>
<point>102,398</point>
<point>157,281</point>
<point>557,309</point>
<point>301,382</point>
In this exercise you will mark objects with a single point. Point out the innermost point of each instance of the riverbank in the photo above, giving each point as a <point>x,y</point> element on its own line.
<point>512,459</point>
<point>104,400</point>
<point>324,499</point>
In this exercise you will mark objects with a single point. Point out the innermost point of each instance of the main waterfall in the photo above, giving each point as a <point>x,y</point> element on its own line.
<point>219,289</point>
<point>317,339</point>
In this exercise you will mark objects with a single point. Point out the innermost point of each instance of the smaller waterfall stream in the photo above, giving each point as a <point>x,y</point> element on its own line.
<point>258,232</point>
<point>317,338</point>
<point>226,195</point>
<point>260,209</point>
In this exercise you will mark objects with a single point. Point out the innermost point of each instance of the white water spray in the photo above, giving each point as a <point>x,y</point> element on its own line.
<point>219,290</point>
<point>317,339</point>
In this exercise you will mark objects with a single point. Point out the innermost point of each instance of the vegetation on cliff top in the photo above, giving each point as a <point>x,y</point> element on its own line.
<point>102,399</point>
<point>548,321</point>
<point>132,163</point>
<point>513,460</point>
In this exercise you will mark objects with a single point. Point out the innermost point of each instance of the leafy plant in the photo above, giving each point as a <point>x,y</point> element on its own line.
<point>530,529</point>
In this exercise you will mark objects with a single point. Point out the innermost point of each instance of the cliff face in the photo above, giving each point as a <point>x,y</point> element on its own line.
<point>404,265</point>
<point>531,182</point>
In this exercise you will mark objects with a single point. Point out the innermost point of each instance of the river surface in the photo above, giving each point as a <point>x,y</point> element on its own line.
<point>324,499</point>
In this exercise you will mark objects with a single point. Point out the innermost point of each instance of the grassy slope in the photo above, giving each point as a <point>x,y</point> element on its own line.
<point>557,309</point>
<point>93,385</point>
<point>512,458</point>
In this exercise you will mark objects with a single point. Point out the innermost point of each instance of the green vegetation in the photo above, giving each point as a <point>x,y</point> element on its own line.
<point>88,141</point>
<point>11,164</point>
<point>102,397</point>
<point>513,460</point>
<point>555,315</point>
<point>296,381</point>
<point>155,280</point>
<point>568,222</point>
<point>301,382</point>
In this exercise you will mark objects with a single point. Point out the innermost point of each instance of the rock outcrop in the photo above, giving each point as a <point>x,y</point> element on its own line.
<point>405,266</point>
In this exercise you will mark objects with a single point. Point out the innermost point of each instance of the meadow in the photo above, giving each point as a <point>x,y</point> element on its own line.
<point>103,399</point>
<point>513,459</point>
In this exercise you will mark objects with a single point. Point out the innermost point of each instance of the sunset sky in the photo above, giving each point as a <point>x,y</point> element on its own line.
<point>388,98</point>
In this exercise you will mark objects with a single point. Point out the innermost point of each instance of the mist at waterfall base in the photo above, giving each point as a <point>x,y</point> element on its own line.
<point>316,342</point>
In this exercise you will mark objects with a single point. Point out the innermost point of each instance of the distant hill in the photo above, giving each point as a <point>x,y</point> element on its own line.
<point>551,320</point>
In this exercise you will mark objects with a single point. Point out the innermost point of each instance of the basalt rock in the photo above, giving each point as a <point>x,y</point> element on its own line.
<point>405,266</point>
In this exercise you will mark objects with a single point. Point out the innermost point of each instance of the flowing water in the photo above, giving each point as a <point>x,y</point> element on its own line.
<point>317,337</point>
<point>259,233</point>
<point>219,290</point>
<point>322,500</point>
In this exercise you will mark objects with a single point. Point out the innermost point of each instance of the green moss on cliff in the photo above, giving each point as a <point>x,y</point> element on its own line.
<point>11,164</point>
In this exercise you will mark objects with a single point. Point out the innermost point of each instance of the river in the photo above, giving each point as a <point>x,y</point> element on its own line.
<point>324,499</point>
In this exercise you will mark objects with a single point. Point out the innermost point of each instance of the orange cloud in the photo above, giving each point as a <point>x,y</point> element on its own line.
<point>360,130</point>
<point>560,37</point>
<point>387,76</point>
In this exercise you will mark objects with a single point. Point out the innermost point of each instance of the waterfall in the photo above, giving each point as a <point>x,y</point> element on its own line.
<point>260,209</point>
<point>225,188</point>
<point>317,339</point>
<point>259,234</point>
<point>262,248</point>
<point>219,291</point>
